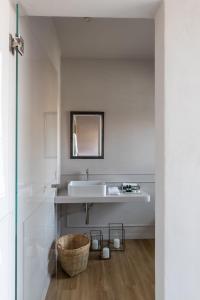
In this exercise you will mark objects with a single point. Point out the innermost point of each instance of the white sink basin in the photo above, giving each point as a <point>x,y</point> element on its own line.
<point>88,188</point>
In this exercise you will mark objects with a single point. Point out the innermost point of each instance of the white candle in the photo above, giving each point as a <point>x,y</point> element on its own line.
<point>116,243</point>
<point>106,252</point>
<point>95,244</point>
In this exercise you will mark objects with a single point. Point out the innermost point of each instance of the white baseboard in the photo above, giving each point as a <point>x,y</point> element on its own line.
<point>142,232</point>
<point>132,231</point>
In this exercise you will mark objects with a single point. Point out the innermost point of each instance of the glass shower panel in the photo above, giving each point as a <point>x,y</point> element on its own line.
<point>36,133</point>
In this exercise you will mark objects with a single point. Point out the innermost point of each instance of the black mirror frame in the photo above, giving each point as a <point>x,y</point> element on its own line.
<point>72,113</point>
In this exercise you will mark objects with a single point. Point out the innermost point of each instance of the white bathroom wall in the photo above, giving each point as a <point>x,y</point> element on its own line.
<point>124,90</point>
<point>177,102</point>
<point>7,153</point>
<point>39,93</point>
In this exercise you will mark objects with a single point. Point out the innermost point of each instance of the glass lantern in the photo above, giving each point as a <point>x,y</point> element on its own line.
<point>105,253</point>
<point>96,238</point>
<point>116,236</point>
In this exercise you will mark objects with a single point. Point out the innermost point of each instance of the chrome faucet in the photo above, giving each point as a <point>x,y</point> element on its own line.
<point>87,174</point>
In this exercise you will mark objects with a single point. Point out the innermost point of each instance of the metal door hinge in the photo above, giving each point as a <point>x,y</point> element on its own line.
<point>16,44</point>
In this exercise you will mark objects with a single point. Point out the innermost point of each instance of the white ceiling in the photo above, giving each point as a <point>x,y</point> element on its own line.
<point>106,38</point>
<point>92,8</point>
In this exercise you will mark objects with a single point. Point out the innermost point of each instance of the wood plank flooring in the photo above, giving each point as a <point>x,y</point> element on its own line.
<point>128,275</point>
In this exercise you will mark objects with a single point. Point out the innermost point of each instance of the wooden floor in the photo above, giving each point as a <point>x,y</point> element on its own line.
<point>128,275</point>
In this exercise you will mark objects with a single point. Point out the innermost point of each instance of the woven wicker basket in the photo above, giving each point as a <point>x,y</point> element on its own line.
<point>73,252</point>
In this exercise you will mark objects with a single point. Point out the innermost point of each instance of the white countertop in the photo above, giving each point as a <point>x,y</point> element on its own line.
<point>63,197</point>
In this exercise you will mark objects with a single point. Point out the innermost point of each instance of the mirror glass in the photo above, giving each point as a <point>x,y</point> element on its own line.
<point>87,134</point>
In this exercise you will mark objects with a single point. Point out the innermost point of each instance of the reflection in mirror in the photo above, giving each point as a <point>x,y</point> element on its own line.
<point>87,135</point>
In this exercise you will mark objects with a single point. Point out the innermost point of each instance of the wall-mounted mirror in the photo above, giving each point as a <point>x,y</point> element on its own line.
<point>86,135</point>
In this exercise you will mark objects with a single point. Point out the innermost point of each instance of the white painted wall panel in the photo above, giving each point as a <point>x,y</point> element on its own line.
<point>160,151</point>
<point>38,95</point>
<point>50,135</point>
<point>178,103</point>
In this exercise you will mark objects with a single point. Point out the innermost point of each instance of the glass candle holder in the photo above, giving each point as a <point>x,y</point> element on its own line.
<point>105,253</point>
<point>96,238</point>
<point>116,236</point>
